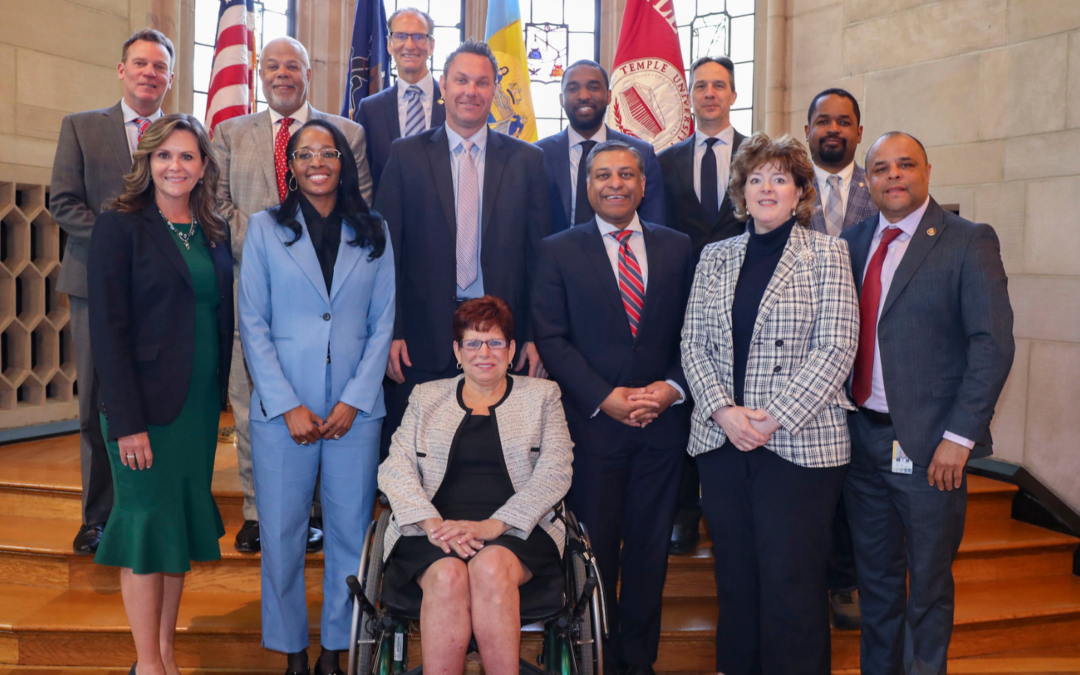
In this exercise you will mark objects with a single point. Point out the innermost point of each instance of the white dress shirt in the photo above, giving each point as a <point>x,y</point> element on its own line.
<point>576,140</point>
<point>427,95</point>
<point>722,150</point>
<point>897,248</point>
<point>845,174</point>
<point>300,118</point>
<point>479,139</point>
<point>131,127</point>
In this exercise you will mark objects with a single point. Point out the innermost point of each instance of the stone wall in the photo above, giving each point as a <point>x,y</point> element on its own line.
<point>992,87</point>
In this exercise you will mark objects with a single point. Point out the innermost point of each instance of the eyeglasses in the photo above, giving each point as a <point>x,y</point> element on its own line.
<point>475,345</point>
<point>419,38</point>
<point>327,155</point>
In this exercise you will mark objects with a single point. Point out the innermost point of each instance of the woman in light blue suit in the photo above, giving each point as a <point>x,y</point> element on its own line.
<point>316,307</point>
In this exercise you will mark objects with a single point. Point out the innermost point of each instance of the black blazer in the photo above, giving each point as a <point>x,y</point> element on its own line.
<point>584,337</point>
<point>142,319</point>
<point>378,114</point>
<point>418,202</point>
<point>683,206</point>
<point>944,331</point>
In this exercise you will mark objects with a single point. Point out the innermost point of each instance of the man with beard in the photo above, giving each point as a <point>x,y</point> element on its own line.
<point>251,149</point>
<point>585,97</point>
<point>834,131</point>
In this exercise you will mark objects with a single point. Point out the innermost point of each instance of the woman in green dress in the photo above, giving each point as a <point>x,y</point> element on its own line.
<point>161,326</point>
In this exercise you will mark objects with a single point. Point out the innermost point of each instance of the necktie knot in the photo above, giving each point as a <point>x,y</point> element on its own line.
<point>286,122</point>
<point>586,148</point>
<point>833,182</point>
<point>709,142</point>
<point>467,148</point>
<point>623,237</point>
<point>889,234</point>
<point>142,123</point>
<point>413,92</point>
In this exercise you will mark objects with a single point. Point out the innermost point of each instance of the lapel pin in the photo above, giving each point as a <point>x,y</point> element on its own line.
<point>862,184</point>
<point>932,231</point>
<point>440,101</point>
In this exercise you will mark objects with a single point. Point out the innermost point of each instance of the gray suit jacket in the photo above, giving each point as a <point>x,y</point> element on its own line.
<point>860,206</point>
<point>92,158</point>
<point>944,331</point>
<point>245,149</point>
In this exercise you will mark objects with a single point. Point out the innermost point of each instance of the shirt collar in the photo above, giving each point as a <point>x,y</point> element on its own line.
<point>845,175</point>
<point>576,138</point>
<point>455,139</point>
<point>426,84</point>
<point>908,225</point>
<point>727,136</point>
<point>607,228</point>
<point>300,117</point>
<point>130,114</point>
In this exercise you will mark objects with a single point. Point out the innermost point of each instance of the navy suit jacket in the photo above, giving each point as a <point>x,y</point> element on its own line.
<point>584,338</point>
<point>417,200</point>
<point>944,331</point>
<point>683,206</point>
<point>378,114</point>
<point>557,166</point>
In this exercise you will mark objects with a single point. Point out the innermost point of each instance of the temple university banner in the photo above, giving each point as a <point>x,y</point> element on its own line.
<point>649,97</point>
<point>512,108</point>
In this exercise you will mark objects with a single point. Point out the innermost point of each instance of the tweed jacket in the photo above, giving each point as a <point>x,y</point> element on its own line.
<point>245,150</point>
<point>535,442</point>
<point>859,205</point>
<point>804,342</point>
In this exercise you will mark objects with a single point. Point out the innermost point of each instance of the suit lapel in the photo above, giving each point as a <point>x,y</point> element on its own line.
<point>858,193</point>
<point>118,139</point>
<point>917,249</point>
<point>789,260</point>
<point>562,176</point>
<point>390,113</point>
<point>494,162</point>
<point>654,287</point>
<point>347,258</point>
<point>303,253</point>
<point>596,251</point>
<point>438,150</point>
<point>438,109</point>
<point>817,220</point>
<point>263,131</point>
<point>732,264</point>
<point>159,232</point>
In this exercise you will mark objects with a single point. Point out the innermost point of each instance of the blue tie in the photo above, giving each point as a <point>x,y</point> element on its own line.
<point>414,113</point>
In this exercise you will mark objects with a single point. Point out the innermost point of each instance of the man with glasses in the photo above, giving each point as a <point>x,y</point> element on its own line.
<point>415,103</point>
<point>251,149</point>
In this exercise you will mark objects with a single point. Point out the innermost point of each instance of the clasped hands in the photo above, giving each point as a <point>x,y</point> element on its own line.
<point>637,407</point>
<point>462,537</point>
<point>746,428</point>
<point>305,427</point>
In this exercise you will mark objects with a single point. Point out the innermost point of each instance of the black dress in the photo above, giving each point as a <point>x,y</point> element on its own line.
<point>475,486</point>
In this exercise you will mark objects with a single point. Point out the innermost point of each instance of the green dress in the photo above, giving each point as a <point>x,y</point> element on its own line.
<point>165,516</point>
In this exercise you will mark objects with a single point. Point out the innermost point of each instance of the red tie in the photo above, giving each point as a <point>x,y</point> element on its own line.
<point>143,124</point>
<point>280,161</point>
<point>863,376</point>
<point>631,283</point>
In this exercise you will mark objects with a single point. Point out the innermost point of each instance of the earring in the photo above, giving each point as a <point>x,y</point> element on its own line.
<point>292,184</point>
<point>200,181</point>
<point>459,365</point>
<point>792,211</point>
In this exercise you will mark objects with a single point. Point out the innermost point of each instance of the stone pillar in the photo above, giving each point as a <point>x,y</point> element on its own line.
<point>776,62</point>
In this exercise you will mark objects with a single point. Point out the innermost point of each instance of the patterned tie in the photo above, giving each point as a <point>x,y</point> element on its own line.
<point>414,112</point>
<point>281,162</point>
<point>862,379</point>
<point>468,216</point>
<point>834,213</point>
<point>631,283</point>
<point>710,183</point>
<point>143,124</point>
<point>583,211</point>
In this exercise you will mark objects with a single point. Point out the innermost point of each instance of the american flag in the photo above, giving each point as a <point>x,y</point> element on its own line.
<point>232,79</point>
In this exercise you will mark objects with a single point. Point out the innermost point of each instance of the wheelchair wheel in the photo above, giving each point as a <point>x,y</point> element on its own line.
<point>363,640</point>
<point>589,648</point>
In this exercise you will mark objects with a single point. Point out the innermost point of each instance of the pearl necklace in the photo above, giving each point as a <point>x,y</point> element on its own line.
<point>183,237</point>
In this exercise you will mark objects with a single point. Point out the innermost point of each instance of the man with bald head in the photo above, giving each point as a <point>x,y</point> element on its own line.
<point>935,348</point>
<point>251,149</point>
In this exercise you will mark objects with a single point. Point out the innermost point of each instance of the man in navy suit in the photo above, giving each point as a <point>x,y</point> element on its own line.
<point>585,97</point>
<point>412,105</point>
<point>608,308</point>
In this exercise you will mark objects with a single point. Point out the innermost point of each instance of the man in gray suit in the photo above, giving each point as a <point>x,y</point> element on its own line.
<point>935,348</point>
<point>251,149</point>
<point>92,156</point>
<point>833,132</point>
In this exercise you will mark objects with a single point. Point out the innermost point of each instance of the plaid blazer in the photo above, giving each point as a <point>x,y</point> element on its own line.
<point>803,346</point>
<point>859,204</point>
<point>536,446</point>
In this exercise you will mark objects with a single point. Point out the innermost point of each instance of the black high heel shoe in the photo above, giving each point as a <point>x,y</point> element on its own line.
<point>132,671</point>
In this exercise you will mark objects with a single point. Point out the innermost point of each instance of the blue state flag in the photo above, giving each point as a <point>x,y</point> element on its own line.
<point>368,57</point>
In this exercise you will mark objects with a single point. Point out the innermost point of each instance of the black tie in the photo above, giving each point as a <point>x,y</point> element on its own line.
<point>583,209</point>
<point>710,203</point>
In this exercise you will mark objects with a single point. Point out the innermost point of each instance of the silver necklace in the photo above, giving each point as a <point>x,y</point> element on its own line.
<point>183,237</point>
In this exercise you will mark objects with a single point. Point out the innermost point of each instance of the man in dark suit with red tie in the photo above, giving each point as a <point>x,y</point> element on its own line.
<point>608,307</point>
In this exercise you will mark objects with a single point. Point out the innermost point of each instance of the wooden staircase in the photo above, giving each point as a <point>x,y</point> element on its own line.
<point>1018,606</point>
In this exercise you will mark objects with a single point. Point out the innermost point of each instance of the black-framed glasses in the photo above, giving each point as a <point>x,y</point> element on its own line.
<point>399,38</point>
<point>475,345</point>
<point>326,154</point>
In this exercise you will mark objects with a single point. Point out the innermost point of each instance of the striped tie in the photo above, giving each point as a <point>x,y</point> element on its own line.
<point>414,113</point>
<point>834,213</point>
<point>143,124</point>
<point>631,283</point>
<point>468,217</point>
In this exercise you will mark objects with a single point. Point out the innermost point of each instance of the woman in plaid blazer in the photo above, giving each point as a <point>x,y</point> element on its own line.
<point>770,335</point>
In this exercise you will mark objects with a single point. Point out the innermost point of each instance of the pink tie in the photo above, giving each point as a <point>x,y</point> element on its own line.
<point>468,218</point>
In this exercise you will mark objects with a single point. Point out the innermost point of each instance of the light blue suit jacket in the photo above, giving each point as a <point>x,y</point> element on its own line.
<point>287,320</point>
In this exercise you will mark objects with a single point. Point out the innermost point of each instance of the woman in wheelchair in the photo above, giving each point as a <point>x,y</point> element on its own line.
<point>474,472</point>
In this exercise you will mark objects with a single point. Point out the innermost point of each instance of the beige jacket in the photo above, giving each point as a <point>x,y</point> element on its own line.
<point>536,446</point>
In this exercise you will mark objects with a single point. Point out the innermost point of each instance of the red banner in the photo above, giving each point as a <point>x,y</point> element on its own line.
<point>649,97</point>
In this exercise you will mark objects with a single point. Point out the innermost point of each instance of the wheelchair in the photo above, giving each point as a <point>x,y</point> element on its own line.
<point>572,617</point>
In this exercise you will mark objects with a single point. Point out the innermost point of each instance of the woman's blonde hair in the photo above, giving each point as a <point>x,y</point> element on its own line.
<point>139,184</point>
<point>785,153</point>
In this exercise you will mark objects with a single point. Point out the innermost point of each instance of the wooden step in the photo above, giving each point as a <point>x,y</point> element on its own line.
<point>989,499</point>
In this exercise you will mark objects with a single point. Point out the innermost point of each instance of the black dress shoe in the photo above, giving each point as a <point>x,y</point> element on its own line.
<point>247,539</point>
<point>87,540</point>
<point>335,671</point>
<point>314,535</point>
<point>844,610</point>
<point>685,537</point>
